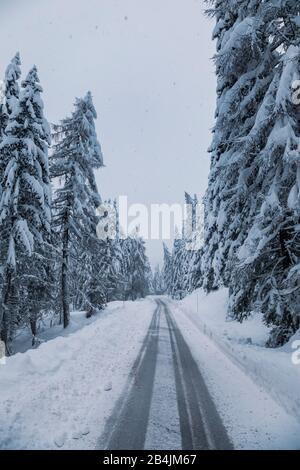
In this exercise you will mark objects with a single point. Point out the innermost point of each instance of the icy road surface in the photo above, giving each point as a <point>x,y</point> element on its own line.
<point>142,375</point>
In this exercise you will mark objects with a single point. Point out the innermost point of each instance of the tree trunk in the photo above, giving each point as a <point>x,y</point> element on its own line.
<point>64,276</point>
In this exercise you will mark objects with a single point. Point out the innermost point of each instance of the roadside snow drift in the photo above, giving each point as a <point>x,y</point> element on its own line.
<point>270,369</point>
<point>60,395</point>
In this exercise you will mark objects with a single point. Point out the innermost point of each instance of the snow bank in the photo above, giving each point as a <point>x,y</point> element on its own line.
<point>60,395</point>
<point>48,330</point>
<point>243,343</point>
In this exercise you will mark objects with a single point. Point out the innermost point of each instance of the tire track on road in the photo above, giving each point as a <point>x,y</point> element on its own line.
<point>200,423</point>
<point>194,418</point>
<point>127,426</point>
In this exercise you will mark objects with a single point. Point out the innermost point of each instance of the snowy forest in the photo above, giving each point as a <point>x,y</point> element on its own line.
<point>51,257</point>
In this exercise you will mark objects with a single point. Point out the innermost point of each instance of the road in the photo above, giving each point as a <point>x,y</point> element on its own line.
<point>165,404</point>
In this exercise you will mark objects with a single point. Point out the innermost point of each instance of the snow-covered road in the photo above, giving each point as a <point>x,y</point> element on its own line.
<point>142,375</point>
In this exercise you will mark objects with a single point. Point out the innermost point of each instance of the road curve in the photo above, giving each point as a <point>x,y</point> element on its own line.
<point>166,404</point>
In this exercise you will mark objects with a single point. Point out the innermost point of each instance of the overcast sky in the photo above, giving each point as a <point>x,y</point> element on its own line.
<point>148,65</point>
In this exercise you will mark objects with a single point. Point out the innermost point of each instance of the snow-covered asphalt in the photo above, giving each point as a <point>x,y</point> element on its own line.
<point>166,404</point>
<point>142,374</point>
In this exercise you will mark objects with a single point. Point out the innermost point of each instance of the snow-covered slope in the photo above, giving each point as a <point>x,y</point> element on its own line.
<point>60,394</point>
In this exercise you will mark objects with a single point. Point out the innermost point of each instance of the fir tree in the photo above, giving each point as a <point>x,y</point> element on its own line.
<point>249,221</point>
<point>266,275</point>
<point>158,281</point>
<point>136,267</point>
<point>8,103</point>
<point>25,202</point>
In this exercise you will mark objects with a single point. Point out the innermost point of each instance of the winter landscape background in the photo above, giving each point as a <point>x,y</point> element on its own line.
<point>121,101</point>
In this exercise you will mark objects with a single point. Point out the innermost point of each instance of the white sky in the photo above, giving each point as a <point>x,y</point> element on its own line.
<point>148,65</point>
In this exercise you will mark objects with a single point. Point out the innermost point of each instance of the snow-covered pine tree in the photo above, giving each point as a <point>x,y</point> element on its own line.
<point>124,271</point>
<point>25,213</point>
<point>267,277</point>
<point>179,267</point>
<point>2,113</point>
<point>137,271</point>
<point>182,269</point>
<point>103,271</point>
<point>109,268</point>
<point>37,284</point>
<point>140,268</point>
<point>120,261</point>
<point>12,91</point>
<point>149,277</point>
<point>9,91</point>
<point>245,66</point>
<point>87,284</point>
<point>111,258</point>
<point>76,155</point>
<point>158,281</point>
<point>191,257</point>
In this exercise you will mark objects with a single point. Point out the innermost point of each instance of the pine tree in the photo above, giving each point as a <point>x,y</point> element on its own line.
<point>245,64</point>
<point>125,268</point>
<point>136,267</point>
<point>178,268</point>
<point>193,234</point>
<point>26,197</point>
<point>36,275</point>
<point>88,282</point>
<point>266,277</point>
<point>12,75</point>
<point>108,268</point>
<point>248,219</point>
<point>167,269</point>
<point>182,271</point>
<point>76,155</point>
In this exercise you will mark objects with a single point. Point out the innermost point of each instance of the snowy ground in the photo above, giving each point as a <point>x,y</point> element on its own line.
<point>62,394</point>
<point>59,395</point>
